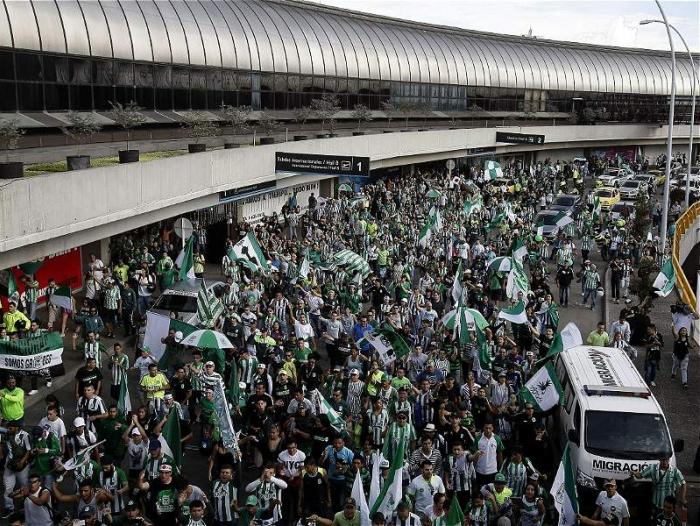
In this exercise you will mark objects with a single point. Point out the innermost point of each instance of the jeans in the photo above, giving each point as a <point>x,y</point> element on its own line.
<point>143,303</point>
<point>31,310</point>
<point>682,365</point>
<point>10,478</point>
<point>564,294</point>
<point>337,488</point>
<point>650,367</point>
<point>592,293</point>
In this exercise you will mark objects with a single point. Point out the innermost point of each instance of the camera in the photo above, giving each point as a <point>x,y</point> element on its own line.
<point>680,308</point>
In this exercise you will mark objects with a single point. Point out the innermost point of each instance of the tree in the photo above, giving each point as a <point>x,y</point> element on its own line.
<point>405,109</point>
<point>325,109</point>
<point>424,109</point>
<point>303,114</point>
<point>267,123</point>
<point>389,110</point>
<point>237,117</point>
<point>361,114</point>
<point>81,128</point>
<point>198,125</point>
<point>127,117</point>
<point>10,134</point>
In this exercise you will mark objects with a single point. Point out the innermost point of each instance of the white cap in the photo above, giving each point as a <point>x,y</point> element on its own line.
<point>429,427</point>
<point>78,422</point>
<point>354,371</point>
<point>384,463</point>
<point>135,431</point>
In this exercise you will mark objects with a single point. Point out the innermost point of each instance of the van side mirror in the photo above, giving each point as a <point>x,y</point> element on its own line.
<point>679,445</point>
<point>573,436</point>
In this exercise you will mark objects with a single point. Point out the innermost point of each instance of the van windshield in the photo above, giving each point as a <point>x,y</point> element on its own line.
<point>627,435</point>
<point>176,302</point>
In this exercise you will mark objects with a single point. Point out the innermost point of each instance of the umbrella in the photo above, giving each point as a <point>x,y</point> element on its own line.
<point>501,264</point>
<point>433,194</point>
<point>472,317</point>
<point>353,262</point>
<point>31,267</point>
<point>345,188</point>
<point>207,339</point>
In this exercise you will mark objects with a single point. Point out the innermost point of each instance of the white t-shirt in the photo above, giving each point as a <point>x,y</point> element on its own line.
<point>57,427</point>
<point>615,506</point>
<point>422,491</point>
<point>303,331</point>
<point>292,464</point>
<point>487,463</point>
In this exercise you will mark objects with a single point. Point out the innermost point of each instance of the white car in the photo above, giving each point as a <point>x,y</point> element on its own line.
<point>631,188</point>
<point>615,176</point>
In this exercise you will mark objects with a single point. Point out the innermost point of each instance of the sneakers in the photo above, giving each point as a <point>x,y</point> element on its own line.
<point>685,386</point>
<point>32,392</point>
<point>653,384</point>
<point>49,383</point>
<point>5,514</point>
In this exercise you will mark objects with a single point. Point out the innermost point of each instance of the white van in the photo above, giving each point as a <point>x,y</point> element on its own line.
<point>611,419</point>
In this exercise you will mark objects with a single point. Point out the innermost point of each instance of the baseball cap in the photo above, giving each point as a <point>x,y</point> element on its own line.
<point>500,477</point>
<point>135,431</point>
<point>384,463</point>
<point>153,444</point>
<point>209,363</point>
<point>165,468</point>
<point>354,371</point>
<point>131,506</point>
<point>429,428</point>
<point>79,421</point>
<point>610,482</point>
<point>252,500</point>
<point>168,396</point>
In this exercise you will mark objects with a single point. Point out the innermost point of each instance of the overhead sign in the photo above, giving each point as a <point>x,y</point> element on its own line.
<point>519,138</point>
<point>246,191</point>
<point>316,164</point>
<point>256,207</point>
<point>480,151</point>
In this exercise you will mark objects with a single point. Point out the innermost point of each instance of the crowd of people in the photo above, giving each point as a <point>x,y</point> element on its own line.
<point>315,400</point>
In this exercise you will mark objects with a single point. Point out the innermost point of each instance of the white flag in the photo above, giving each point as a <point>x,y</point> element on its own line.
<point>564,491</point>
<point>358,493</point>
<point>543,390</point>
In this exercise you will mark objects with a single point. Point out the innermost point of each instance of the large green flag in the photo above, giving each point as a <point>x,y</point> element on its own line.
<point>392,490</point>
<point>185,261</point>
<point>234,390</point>
<point>170,439</point>
<point>32,354</point>
<point>124,402</point>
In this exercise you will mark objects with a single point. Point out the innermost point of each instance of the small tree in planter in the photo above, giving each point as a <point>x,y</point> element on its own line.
<point>10,134</point>
<point>361,114</point>
<point>268,125</point>
<point>405,109</point>
<point>301,115</point>
<point>389,109</point>
<point>424,109</point>
<point>127,117</point>
<point>81,128</point>
<point>238,118</point>
<point>197,125</point>
<point>325,109</point>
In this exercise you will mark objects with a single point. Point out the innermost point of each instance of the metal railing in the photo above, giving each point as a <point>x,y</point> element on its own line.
<point>682,224</point>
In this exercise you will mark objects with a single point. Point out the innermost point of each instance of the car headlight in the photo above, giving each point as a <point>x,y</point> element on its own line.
<point>585,480</point>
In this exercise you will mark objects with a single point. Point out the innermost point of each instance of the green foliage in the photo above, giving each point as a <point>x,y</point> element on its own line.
<point>10,134</point>
<point>238,117</point>
<point>325,109</point>
<point>81,128</point>
<point>361,114</point>
<point>127,117</point>
<point>642,217</point>
<point>198,125</point>
<point>60,166</point>
<point>267,123</point>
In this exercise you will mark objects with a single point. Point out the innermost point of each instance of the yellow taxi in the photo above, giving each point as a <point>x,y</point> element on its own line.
<point>608,196</point>
<point>509,184</point>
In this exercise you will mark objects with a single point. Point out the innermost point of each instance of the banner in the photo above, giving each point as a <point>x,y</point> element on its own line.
<point>228,435</point>
<point>157,326</point>
<point>32,354</point>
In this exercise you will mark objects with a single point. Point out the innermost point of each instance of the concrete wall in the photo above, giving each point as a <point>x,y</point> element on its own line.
<point>564,154</point>
<point>45,214</point>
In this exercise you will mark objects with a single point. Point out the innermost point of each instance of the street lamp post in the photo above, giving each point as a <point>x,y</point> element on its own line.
<point>669,140</point>
<point>692,108</point>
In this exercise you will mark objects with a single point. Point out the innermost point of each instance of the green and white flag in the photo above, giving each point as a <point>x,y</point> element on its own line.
<point>324,408</point>
<point>565,339</point>
<point>517,280</point>
<point>457,289</point>
<point>564,490</point>
<point>597,209</point>
<point>492,170</point>
<point>666,279</point>
<point>209,308</point>
<point>32,354</point>
<point>515,314</point>
<point>353,263</point>
<point>185,261</point>
<point>304,267</point>
<point>170,439</point>
<point>471,207</point>
<point>435,219</point>
<point>425,234</point>
<point>500,264</point>
<point>543,390</point>
<point>518,249</point>
<point>12,289</point>
<point>388,344</point>
<point>392,491</point>
<point>62,298</point>
<point>248,252</point>
<point>562,219</point>
<point>358,493</point>
<point>124,402</point>
<point>453,517</point>
<point>496,221</point>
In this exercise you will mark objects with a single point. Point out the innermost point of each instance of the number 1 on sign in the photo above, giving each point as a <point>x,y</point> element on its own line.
<point>359,166</point>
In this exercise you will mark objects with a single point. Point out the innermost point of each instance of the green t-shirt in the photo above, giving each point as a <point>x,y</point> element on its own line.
<point>341,520</point>
<point>398,383</point>
<point>111,431</point>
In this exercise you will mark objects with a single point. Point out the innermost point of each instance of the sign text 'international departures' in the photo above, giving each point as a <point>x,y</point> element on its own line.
<point>519,138</point>
<point>308,163</point>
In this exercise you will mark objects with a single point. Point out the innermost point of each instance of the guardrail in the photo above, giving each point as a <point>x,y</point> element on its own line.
<point>684,222</point>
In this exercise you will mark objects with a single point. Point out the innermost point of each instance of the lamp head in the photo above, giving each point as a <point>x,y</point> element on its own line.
<point>647,22</point>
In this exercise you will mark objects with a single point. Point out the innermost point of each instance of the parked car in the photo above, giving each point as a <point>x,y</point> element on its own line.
<point>632,188</point>
<point>608,196</point>
<point>548,220</point>
<point>569,203</point>
<point>181,297</point>
<point>615,176</point>
<point>622,210</point>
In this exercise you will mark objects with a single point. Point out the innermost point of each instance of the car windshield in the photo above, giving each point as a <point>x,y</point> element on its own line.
<point>627,435</point>
<point>546,220</point>
<point>176,302</point>
<point>630,184</point>
<point>604,193</point>
<point>619,208</point>
<point>564,201</point>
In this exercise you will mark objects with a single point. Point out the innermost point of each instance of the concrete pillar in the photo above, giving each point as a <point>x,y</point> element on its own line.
<point>105,253</point>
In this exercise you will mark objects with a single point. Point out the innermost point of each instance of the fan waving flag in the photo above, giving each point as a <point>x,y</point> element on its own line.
<point>564,491</point>
<point>248,252</point>
<point>454,516</point>
<point>666,279</point>
<point>568,338</point>
<point>515,314</point>
<point>543,390</point>
<point>353,262</point>
<point>61,297</point>
<point>518,249</point>
<point>324,408</point>
<point>517,280</point>
<point>425,234</point>
<point>185,261</point>
<point>457,289</point>
<point>388,344</point>
<point>492,170</point>
<point>471,207</point>
<point>597,209</point>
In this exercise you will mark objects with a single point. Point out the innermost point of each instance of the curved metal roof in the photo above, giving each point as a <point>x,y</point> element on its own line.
<point>297,37</point>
